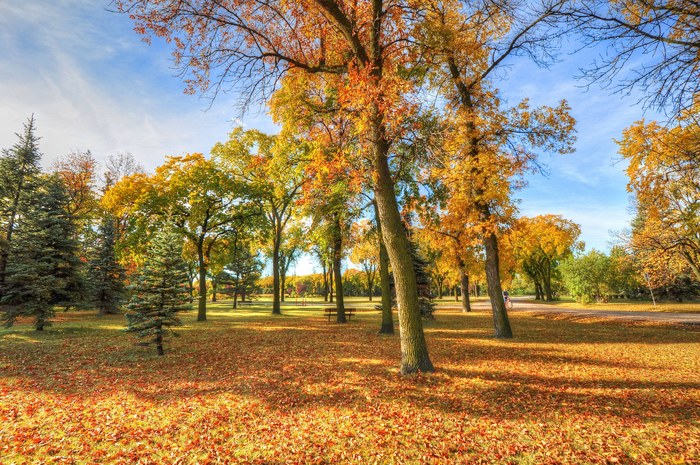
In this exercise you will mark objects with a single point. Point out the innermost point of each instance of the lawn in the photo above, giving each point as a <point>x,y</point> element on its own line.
<point>628,305</point>
<point>249,387</point>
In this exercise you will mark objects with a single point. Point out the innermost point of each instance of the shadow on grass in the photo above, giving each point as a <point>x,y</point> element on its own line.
<point>303,362</point>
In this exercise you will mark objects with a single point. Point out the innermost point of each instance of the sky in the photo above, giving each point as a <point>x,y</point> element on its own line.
<point>93,84</point>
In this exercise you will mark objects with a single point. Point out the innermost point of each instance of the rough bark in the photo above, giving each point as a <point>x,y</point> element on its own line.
<point>501,323</point>
<point>414,349</point>
<point>337,257</point>
<point>276,307</point>
<point>202,310</point>
<point>385,280</point>
<point>464,284</point>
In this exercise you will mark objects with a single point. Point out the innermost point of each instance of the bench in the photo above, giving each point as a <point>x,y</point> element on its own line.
<point>349,312</point>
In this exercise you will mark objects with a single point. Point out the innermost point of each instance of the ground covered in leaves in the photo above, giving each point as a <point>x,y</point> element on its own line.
<point>627,305</point>
<point>247,387</point>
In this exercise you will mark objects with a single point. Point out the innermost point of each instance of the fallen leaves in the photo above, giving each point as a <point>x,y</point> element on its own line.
<point>299,390</point>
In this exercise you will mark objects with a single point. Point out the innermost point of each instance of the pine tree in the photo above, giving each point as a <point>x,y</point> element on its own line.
<point>160,292</point>
<point>108,276</point>
<point>19,170</point>
<point>43,264</point>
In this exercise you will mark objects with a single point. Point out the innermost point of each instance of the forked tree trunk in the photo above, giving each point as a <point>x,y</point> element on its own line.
<point>464,284</point>
<point>337,257</point>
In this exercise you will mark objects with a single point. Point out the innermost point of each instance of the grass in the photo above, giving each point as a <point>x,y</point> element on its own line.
<point>247,387</point>
<point>629,305</point>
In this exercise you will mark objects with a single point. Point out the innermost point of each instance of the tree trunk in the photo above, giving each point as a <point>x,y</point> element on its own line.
<point>387,317</point>
<point>325,281</point>
<point>370,285</point>
<point>159,342</point>
<point>214,285</point>
<point>439,286</point>
<point>414,349</point>
<point>235,298</point>
<point>501,322</point>
<point>337,258</point>
<point>202,311</point>
<point>464,283</point>
<point>538,291</point>
<point>276,307</point>
<point>330,276</point>
<point>547,281</point>
<point>242,292</point>
<point>454,289</point>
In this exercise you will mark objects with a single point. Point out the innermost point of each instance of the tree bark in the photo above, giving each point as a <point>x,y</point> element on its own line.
<point>464,284</point>
<point>235,298</point>
<point>454,289</point>
<point>414,349</point>
<point>330,276</point>
<point>202,310</point>
<point>337,258</point>
<point>501,322</point>
<point>387,317</point>
<point>325,281</point>
<point>159,342</point>
<point>276,307</point>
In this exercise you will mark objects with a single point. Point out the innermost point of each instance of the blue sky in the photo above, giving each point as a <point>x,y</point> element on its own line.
<point>93,84</point>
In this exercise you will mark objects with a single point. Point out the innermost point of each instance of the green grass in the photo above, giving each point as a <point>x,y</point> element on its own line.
<point>246,386</point>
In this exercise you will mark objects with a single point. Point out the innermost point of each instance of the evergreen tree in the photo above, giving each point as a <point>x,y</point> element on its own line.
<point>19,170</point>
<point>43,265</point>
<point>108,276</point>
<point>160,292</point>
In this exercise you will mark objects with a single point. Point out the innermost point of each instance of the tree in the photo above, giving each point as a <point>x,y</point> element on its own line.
<point>250,48</point>
<point>541,243</point>
<point>366,253</point>
<point>596,275</point>
<point>488,148</point>
<point>43,264</point>
<point>269,168</point>
<point>19,170</point>
<point>198,196</point>
<point>664,173</point>
<point>107,274</point>
<point>160,292</point>
<point>664,32</point>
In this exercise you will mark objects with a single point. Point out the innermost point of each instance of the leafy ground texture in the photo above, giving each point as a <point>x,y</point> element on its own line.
<point>627,305</point>
<point>248,387</point>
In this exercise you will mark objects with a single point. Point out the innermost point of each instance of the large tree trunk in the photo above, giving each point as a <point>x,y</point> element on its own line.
<point>387,317</point>
<point>276,307</point>
<point>337,258</point>
<point>501,322</point>
<point>414,349</point>
<point>202,311</point>
<point>464,284</point>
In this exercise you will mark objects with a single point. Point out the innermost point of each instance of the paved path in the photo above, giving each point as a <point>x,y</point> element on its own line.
<point>520,305</point>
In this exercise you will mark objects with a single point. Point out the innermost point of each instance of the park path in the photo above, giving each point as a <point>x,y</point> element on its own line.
<point>522,305</point>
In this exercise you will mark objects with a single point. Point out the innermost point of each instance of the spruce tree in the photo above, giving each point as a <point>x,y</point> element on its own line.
<point>19,171</point>
<point>160,292</point>
<point>43,263</point>
<point>108,276</point>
